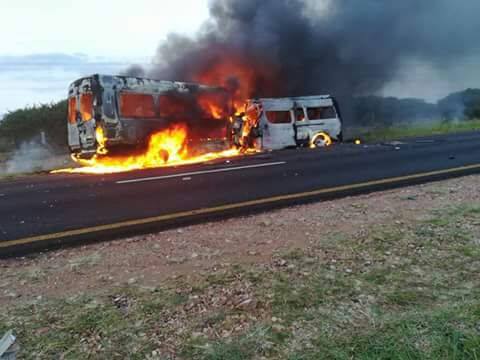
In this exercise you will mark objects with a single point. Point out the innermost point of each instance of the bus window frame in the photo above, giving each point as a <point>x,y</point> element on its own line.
<point>154,110</point>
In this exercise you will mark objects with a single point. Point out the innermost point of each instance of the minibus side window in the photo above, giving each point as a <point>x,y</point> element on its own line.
<point>321,112</point>
<point>278,117</point>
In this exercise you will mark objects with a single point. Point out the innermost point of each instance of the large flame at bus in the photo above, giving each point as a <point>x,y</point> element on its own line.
<point>241,77</point>
<point>165,148</point>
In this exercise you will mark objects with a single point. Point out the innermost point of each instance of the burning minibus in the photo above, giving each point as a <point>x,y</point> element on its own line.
<point>278,123</point>
<point>111,112</point>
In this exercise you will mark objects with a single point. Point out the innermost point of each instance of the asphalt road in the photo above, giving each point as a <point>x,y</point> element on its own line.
<point>44,211</point>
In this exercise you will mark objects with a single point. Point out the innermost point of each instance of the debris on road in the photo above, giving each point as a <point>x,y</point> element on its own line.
<point>8,346</point>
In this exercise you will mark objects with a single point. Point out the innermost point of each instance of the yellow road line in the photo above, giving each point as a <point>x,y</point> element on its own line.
<point>211,210</point>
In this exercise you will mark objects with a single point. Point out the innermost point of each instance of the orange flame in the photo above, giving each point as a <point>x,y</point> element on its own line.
<point>243,77</point>
<point>320,140</point>
<point>212,109</point>
<point>100,136</point>
<point>214,105</point>
<point>165,148</point>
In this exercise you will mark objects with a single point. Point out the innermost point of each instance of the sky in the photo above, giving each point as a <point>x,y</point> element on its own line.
<point>48,44</point>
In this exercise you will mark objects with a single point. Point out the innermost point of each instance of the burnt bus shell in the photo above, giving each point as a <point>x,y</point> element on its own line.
<point>94,101</point>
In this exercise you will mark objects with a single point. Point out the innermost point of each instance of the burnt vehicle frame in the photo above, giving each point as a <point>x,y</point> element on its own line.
<point>128,110</point>
<point>278,123</point>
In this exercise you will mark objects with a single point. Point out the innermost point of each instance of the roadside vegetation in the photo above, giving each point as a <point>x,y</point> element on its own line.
<point>401,290</point>
<point>386,118</point>
<point>33,139</point>
<point>25,125</point>
<point>387,133</point>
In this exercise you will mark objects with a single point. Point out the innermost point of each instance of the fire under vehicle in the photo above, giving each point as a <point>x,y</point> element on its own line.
<point>110,112</point>
<point>278,123</point>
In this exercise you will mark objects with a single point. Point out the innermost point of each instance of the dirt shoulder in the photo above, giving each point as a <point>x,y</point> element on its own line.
<point>329,277</point>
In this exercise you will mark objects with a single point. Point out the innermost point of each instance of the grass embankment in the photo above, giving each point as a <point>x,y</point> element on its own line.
<point>3,160</point>
<point>404,290</point>
<point>398,132</point>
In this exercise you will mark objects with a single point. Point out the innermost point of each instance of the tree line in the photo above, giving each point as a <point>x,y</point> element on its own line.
<point>388,111</point>
<point>25,125</point>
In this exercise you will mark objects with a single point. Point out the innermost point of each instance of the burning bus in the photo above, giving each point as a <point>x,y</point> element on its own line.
<point>122,123</point>
<point>111,112</point>
<point>278,123</point>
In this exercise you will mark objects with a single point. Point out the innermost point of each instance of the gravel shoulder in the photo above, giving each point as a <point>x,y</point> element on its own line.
<point>326,278</point>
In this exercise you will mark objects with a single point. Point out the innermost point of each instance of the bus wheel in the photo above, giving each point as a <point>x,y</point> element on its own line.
<point>320,140</point>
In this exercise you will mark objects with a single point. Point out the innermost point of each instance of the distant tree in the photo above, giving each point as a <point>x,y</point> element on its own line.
<point>461,105</point>
<point>387,111</point>
<point>472,104</point>
<point>25,124</point>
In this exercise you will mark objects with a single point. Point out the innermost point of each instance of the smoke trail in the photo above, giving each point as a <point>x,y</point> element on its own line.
<point>347,48</point>
<point>295,47</point>
<point>33,157</point>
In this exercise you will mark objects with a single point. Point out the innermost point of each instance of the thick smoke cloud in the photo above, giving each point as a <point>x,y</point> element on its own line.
<point>295,47</point>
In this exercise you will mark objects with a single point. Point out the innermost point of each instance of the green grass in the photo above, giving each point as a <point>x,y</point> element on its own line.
<point>258,341</point>
<point>439,128</point>
<point>445,333</point>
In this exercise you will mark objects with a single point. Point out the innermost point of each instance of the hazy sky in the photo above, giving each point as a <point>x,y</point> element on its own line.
<point>46,44</point>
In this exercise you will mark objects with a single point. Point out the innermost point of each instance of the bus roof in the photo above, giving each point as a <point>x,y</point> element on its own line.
<point>143,84</point>
<point>289,102</point>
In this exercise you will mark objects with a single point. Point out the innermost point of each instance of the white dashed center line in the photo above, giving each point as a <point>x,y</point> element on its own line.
<point>187,176</point>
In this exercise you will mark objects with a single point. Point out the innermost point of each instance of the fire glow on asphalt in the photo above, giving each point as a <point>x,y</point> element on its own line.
<point>166,148</point>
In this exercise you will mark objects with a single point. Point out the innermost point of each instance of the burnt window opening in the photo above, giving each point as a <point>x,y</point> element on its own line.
<point>299,114</point>
<point>138,106</point>
<point>72,110</point>
<point>176,106</point>
<point>86,106</point>
<point>321,112</point>
<point>278,117</point>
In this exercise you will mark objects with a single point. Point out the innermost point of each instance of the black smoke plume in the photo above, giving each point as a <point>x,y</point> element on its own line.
<point>301,47</point>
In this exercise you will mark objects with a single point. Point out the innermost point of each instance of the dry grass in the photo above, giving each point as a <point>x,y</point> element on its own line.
<point>406,290</point>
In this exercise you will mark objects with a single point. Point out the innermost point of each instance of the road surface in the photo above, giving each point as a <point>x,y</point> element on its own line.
<point>43,211</point>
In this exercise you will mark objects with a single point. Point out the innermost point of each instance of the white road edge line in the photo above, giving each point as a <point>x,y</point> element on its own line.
<point>201,172</point>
